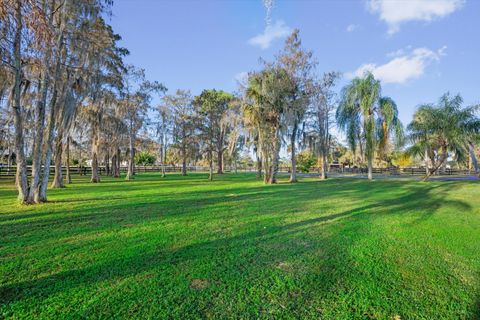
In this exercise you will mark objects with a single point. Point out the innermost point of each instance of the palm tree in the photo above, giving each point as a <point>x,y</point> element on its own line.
<point>444,130</point>
<point>368,119</point>
<point>420,133</point>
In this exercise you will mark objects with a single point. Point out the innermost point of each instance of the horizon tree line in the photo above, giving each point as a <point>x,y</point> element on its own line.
<point>67,95</point>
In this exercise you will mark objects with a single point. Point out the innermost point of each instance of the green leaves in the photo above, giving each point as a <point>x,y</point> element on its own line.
<point>367,118</point>
<point>444,130</point>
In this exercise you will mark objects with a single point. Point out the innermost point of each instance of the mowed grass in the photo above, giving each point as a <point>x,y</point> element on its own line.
<point>185,248</point>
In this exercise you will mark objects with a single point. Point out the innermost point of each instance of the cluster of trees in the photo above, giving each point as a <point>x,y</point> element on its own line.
<point>445,130</point>
<point>66,96</point>
<point>64,81</point>
<point>56,55</point>
<point>287,104</point>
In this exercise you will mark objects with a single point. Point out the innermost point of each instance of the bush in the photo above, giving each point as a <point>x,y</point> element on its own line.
<point>305,161</point>
<point>144,158</point>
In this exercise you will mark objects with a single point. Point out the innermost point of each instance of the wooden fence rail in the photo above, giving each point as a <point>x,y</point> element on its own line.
<point>75,170</point>
<point>10,170</point>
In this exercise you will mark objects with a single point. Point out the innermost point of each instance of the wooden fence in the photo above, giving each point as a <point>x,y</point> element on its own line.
<point>10,170</point>
<point>386,171</point>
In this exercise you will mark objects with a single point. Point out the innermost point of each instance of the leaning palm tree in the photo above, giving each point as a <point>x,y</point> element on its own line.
<point>442,131</point>
<point>368,120</point>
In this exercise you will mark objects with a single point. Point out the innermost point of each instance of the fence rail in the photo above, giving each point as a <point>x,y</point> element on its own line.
<point>386,171</point>
<point>10,170</point>
<point>84,170</point>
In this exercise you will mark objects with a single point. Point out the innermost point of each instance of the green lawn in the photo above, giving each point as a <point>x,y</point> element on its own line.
<point>183,247</point>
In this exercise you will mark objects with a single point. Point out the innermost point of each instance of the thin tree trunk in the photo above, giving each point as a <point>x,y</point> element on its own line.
<point>67,154</point>
<point>220,161</point>
<point>119,154</point>
<point>219,146</point>
<point>107,163</point>
<point>259,168</point>
<point>473,156</point>
<point>114,165</point>
<point>275,159</point>
<point>58,177</point>
<point>41,192</point>
<point>164,160</point>
<point>370,167</point>
<point>426,162</point>
<point>268,170</point>
<point>95,178</point>
<point>360,145</point>
<point>131,160</point>
<point>259,164</point>
<point>40,125</point>
<point>210,175</point>
<point>293,138</point>
<point>38,139</point>
<point>323,173</point>
<point>435,168</point>
<point>184,161</point>
<point>21,174</point>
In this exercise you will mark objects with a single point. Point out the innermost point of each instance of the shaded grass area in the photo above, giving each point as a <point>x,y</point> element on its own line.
<point>183,247</point>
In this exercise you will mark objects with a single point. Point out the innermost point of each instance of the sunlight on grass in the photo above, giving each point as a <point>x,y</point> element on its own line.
<point>181,247</point>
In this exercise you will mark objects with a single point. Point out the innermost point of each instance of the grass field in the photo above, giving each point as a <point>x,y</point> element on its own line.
<point>185,248</point>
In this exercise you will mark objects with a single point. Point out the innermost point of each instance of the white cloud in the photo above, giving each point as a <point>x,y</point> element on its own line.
<point>396,12</point>
<point>352,27</point>
<point>241,77</point>
<point>403,67</point>
<point>271,33</point>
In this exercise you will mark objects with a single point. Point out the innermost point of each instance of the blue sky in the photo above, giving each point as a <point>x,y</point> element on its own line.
<point>418,48</point>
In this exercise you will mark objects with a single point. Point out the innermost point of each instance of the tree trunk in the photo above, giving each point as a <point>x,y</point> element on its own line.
<point>67,154</point>
<point>220,161</point>
<point>293,171</point>
<point>426,162</point>
<point>184,161</point>
<point>114,165</point>
<point>268,170</point>
<point>370,167</point>
<point>360,145</point>
<point>164,160</point>
<point>259,168</point>
<point>21,174</point>
<point>38,139</point>
<point>210,175</point>
<point>435,168</point>
<point>275,159</point>
<point>95,177</point>
<point>41,196</point>
<point>323,173</point>
<point>41,192</point>
<point>107,163</point>
<point>131,159</point>
<point>118,158</point>
<point>473,156</point>
<point>58,177</point>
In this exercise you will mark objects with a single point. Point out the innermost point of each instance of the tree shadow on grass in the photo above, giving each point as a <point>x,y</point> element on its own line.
<point>260,200</point>
<point>271,244</point>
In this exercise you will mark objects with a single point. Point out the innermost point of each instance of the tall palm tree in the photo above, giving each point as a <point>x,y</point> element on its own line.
<point>444,130</point>
<point>368,119</point>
